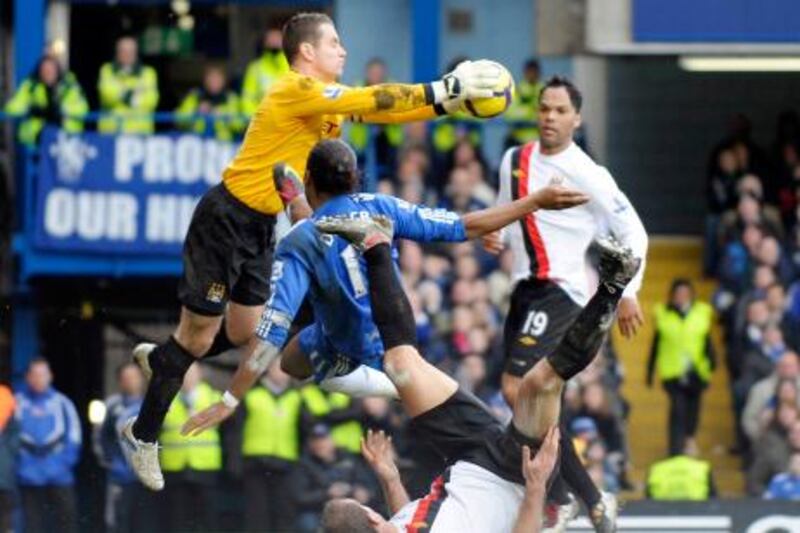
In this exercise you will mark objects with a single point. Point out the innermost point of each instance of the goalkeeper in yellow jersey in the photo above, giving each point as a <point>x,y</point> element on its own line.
<point>226,254</point>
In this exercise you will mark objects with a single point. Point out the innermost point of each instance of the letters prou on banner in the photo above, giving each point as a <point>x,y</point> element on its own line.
<point>122,194</point>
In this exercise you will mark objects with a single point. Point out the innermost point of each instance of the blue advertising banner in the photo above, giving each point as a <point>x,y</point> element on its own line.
<point>126,194</point>
<point>721,21</point>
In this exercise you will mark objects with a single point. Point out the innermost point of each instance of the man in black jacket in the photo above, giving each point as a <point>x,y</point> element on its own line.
<point>326,472</point>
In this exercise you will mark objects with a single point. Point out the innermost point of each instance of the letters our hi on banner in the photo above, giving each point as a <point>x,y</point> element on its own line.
<point>122,194</point>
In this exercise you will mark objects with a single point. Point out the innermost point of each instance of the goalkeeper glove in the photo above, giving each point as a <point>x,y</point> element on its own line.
<point>470,79</point>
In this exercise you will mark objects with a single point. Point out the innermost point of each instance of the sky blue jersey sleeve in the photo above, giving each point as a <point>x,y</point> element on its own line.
<point>289,284</point>
<point>423,224</point>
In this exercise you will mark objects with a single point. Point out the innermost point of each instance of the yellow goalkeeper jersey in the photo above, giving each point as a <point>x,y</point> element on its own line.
<point>296,113</point>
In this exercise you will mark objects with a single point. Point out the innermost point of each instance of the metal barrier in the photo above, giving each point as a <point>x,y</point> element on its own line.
<point>491,131</point>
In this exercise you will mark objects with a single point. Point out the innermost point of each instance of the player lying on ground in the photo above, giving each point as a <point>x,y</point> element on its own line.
<point>482,490</point>
<point>228,246</point>
<point>377,450</point>
<point>330,272</point>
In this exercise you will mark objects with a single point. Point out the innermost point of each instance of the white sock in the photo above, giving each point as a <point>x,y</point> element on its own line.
<point>362,382</point>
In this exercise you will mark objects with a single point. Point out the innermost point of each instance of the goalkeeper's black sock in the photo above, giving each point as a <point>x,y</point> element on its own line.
<point>586,335</point>
<point>169,362</point>
<point>391,311</point>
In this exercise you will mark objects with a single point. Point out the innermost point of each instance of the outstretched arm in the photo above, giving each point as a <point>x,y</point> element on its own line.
<point>479,223</point>
<point>288,286</point>
<point>378,452</point>
<point>426,224</point>
<point>250,369</point>
<point>402,117</point>
<point>470,79</point>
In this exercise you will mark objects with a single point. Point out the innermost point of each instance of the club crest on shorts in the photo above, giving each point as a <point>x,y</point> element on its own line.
<point>216,292</point>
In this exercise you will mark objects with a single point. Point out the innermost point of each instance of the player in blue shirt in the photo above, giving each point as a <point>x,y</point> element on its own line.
<point>344,338</point>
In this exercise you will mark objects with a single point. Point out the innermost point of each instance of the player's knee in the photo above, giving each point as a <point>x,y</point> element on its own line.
<point>241,323</point>
<point>399,360</point>
<point>196,336</point>
<point>542,378</point>
<point>239,336</point>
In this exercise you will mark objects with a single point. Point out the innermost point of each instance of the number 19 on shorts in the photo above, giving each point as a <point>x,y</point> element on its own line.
<point>535,324</point>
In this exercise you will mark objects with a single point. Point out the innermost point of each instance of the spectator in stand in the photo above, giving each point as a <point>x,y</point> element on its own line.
<point>793,242</point>
<point>762,394</point>
<point>471,376</point>
<point>128,91</point>
<point>779,314</point>
<point>378,415</point>
<point>263,71</point>
<point>596,407</point>
<point>751,185</point>
<point>460,193</point>
<point>500,282</point>
<point>786,485</point>
<point>9,447</point>
<point>463,321</point>
<point>386,138</point>
<point>786,152</point>
<point>683,352</point>
<point>759,361</point>
<point>341,413</point>
<point>602,471</point>
<point>50,434</point>
<point>771,255</point>
<point>524,109</point>
<point>217,102</point>
<point>191,463</point>
<point>746,337</point>
<point>411,259</point>
<point>738,262</point>
<point>326,472</point>
<point>128,503</point>
<point>720,197</point>
<point>681,477</point>
<point>422,321</point>
<point>779,442</point>
<point>414,167</point>
<point>749,211</point>
<point>273,415</point>
<point>47,97</point>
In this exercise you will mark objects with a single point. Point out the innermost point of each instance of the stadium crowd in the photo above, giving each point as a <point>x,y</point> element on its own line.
<point>753,248</point>
<point>292,446</point>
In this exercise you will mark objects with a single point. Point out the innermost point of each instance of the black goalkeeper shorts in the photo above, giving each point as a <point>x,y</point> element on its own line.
<point>227,255</point>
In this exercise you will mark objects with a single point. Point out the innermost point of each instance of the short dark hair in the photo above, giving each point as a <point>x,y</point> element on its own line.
<point>345,516</point>
<point>39,360</point>
<point>124,366</point>
<point>557,82</point>
<point>332,167</point>
<point>677,283</point>
<point>302,28</point>
<point>532,63</point>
